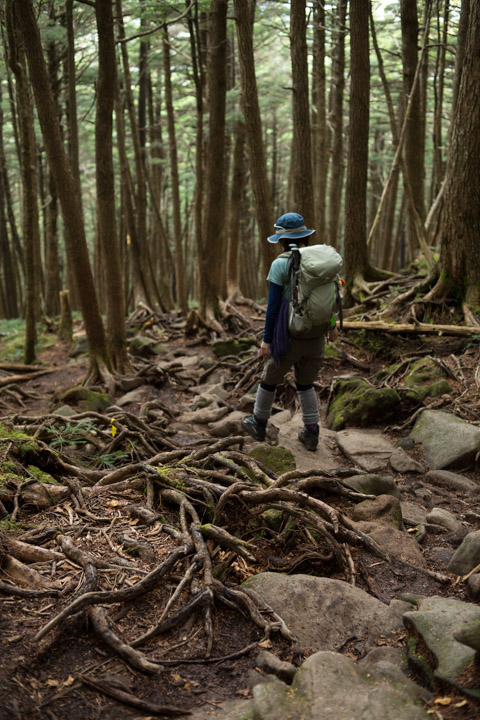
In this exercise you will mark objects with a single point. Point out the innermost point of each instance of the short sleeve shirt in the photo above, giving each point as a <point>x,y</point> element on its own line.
<point>278,275</point>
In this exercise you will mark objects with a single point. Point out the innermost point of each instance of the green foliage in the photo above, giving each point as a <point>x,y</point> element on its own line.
<point>70,433</point>
<point>111,460</point>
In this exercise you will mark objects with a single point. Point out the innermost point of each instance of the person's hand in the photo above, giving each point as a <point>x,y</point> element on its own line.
<point>332,334</point>
<point>265,349</point>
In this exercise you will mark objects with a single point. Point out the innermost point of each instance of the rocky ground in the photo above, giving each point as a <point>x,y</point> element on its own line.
<point>272,582</point>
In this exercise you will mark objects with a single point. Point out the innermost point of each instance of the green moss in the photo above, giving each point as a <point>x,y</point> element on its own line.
<point>223,348</point>
<point>274,457</point>
<point>84,398</point>
<point>357,403</point>
<point>41,476</point>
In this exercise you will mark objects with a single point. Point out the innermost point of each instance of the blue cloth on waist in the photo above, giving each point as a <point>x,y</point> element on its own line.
<point>281,337</point>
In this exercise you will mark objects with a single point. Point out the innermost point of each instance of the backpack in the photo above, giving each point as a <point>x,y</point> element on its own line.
<point>316,294</point>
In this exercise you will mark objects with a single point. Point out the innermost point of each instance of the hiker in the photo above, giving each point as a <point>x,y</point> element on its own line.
<point>280,348</point>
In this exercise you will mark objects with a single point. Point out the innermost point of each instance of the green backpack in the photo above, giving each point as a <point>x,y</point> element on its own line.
<point>315,289</point>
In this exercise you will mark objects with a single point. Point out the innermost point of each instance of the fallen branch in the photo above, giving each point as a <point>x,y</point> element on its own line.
<point>417,329</point>
<point>132,700</point>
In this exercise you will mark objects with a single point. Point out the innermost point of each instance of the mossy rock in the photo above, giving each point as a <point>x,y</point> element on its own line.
<point>273,519</point>
<point>356,403</point>
<point>223,348</point>
<point>83,398</point>
<point>275,457</point>
<point>426,379</point>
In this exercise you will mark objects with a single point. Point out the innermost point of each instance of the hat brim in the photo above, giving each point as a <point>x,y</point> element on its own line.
<point>290,236</point>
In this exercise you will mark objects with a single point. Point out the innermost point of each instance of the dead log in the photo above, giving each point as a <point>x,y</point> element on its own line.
<point>414,329</point>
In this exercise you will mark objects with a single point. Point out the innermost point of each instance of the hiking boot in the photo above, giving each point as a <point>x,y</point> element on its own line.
<point>309,438</point>
<point>254,428</point>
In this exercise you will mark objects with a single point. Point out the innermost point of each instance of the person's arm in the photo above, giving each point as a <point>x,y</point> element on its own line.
<point>275,296</point>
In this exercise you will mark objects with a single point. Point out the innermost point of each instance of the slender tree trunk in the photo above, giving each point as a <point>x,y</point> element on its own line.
<point>106,217</point>
<point>414,155</point>
<point>66,187</point>
<point>301,144</point>
<point>356,255</point>
<point>239,178</point>
<point>253,124</point>
<point>460,229</point>
<point>212,252</point>
<point>31,230</point>
<point>438,87</point>
<point>336,124</point>
<point>175,186</point>
<point>151,296</point>
<point>319,120</point>
<point>10,273</point>
<point>72,125</point>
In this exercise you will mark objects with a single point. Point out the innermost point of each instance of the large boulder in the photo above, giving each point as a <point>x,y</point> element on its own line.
<point>372,451</point>
<point>448,441</point>
<point>323,613</point>
<point>332,687</point>
<point>356,403</point>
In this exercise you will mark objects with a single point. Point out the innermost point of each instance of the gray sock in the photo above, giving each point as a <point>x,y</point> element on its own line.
<point>309,406</point>
<point>263,403</point>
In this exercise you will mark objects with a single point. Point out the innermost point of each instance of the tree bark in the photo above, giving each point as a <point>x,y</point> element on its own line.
<point>253,124</point>
<point>174,186</point>
<point>106,217</point>
<point>460,228</point>
<point>414,145</point>
<point>319,120</point>
<point>212,252</point>
<point>66,187</point>
<point>336,123</point>
<point>31,229</point>
<point>356,255</point>
<point>301,144</point>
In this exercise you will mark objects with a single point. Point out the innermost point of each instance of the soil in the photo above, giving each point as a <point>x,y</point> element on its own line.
<point>44,679</point>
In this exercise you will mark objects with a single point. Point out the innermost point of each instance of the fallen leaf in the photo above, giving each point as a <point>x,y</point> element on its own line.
<point>265,644</point>
<point>460,704</point>
<point>114,503</point>
<point>52,683</point>
<point>243,693</point>
<point>69,681</point>
<point>443,701</point>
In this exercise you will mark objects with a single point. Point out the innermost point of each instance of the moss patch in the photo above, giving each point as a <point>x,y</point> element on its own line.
<point>83,398</point>
<point>357,403</point>
<point>275,458</point>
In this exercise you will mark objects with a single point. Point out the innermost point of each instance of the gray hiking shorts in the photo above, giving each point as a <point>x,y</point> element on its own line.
<point>306,356</point>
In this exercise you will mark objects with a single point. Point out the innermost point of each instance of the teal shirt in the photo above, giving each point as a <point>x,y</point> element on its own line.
<point>278,275</point>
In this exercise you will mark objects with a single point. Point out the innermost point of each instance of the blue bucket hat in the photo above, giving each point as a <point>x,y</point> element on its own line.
<point>291,226</point>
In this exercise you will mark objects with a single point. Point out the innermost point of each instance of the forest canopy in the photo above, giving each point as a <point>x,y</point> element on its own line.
<point>147,148</point>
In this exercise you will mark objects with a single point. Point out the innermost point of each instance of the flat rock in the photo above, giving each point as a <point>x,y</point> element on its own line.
<point>452,481</point>
<point>448,441</point>
<point>396,543</point>
<point>231,424</point>
<point>288,426</point>
<point>412,513</point>
<point>322,613</point>
<point>373,452</point>
<point>202,416</point>
<point>332,687</point>
<point>385,509</point>
<point>133,396</point>
<point>437,621</point>
<point>447,520</point>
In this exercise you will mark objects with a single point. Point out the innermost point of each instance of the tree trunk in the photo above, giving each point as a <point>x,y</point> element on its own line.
<point>148,283</point>
<point>174,186</point>
<point>460,228</point>
<point>336,124</point>
<point>31,230</point>
<point>10,273</point>
<point>239,178</point>
<point>251,111</point>
<point>414,145</point>
<point>319,120</point>
<point>106,217</point>
<point>66,187</point>
<point>301,144</point>
<point>356,256</point>
<point>439,85</point>
<point>212,252</point>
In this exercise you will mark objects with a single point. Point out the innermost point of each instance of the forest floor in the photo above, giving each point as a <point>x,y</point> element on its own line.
<point>72,671</point>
